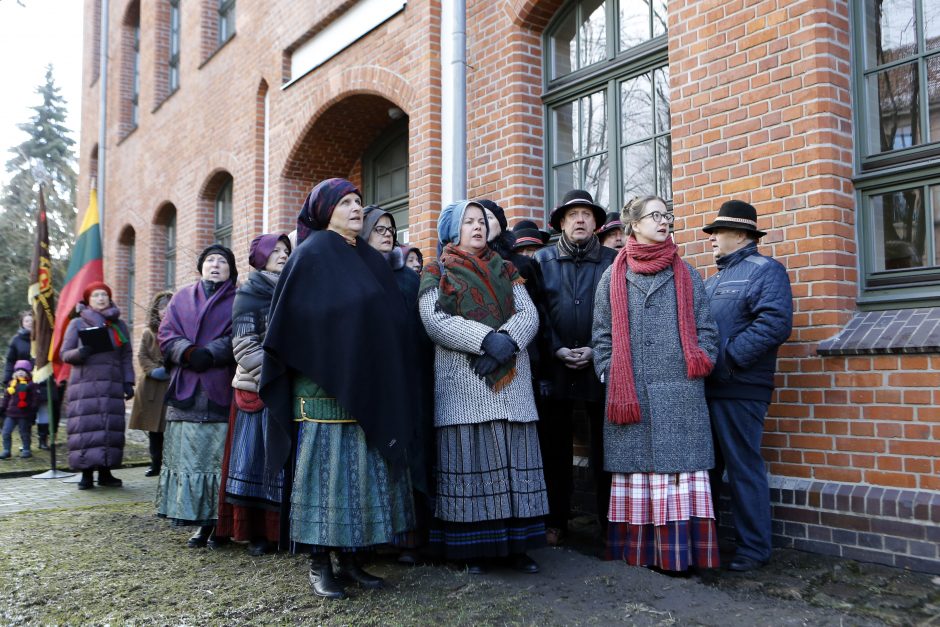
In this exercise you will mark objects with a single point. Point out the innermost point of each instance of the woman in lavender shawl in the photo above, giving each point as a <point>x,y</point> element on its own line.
<point>196,340</point>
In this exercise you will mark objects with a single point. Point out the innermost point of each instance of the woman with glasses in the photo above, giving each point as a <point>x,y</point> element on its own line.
<point>379,230</point>
<point>654,342</point>
<point>337,381</point>
<point>490,490</point>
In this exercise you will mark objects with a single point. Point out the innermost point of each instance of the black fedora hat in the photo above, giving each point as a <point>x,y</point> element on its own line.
<point>736,214</point>
<point>528,234</point>
<point>576,198</point>
<point>611,222</point>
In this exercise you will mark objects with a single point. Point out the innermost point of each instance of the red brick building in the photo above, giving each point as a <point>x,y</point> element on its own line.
<point>824,114</point>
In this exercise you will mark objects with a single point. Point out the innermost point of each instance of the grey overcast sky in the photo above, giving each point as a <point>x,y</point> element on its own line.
<point>33,34</point>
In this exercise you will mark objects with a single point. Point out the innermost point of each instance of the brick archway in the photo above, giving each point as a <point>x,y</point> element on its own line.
<point>332,145</point>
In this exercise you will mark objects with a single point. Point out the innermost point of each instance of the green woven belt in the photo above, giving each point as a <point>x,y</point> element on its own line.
<point>320,410</point>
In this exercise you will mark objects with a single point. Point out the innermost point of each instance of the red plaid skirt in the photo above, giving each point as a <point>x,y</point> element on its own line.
<point>663,520</point>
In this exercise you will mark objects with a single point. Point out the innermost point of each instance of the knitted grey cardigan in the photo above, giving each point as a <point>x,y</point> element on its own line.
<point>460,396</point>
<point>674,432</point>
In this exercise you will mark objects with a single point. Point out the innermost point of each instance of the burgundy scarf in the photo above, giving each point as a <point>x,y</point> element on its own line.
<point>623,407</point>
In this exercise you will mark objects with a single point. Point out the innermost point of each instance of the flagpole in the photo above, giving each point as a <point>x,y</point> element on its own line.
<point>40,291</point>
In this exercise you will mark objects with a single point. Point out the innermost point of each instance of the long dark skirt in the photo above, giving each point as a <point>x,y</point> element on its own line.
<point>345,495</point>
<point>490,491</point>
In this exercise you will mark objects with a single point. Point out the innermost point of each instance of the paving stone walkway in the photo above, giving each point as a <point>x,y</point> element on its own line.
<point>25,493</point>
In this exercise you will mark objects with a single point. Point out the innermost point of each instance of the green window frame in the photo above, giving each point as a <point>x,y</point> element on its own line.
<point>896,84</point>
<point>606,101</point>
<point>223,215</point>
<point>385,175</point>
<point>173,63</point>
<point>169,264</point>
<point>226,20</point>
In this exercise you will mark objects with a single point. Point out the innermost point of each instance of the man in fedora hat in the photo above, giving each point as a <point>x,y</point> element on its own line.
<point>751,301</point>
<point>611,233</point>
<point>571,270</point>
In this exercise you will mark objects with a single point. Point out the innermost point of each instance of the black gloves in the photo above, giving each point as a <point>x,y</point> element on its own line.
<point>484,365</point>
<point>128,391</point>
<point>84,352</point>
<point>499,346</point>
<point>200,360</point>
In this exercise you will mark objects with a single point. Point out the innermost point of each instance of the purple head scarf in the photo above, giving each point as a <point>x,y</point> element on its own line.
<point>318,208</point>
<point>262,246</point>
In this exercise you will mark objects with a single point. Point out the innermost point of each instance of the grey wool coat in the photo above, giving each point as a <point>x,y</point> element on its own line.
<point>95,395</point>
<point>674,432</point>
<point>460,396</point>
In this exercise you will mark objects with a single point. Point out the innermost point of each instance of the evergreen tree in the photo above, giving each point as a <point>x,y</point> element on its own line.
<point>44,157</point>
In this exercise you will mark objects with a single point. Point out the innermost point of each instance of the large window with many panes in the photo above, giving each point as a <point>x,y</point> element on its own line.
<point>607,101</point>
<point>897,118</point>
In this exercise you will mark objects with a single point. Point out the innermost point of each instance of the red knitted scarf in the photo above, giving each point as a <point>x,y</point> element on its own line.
<point>623,407</point>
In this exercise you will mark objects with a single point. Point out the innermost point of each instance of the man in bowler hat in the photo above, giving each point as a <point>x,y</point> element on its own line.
<point>571,270</point>
<point>751,301</point>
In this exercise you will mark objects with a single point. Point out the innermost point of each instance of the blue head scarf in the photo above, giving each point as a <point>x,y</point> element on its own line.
<point>448,223</point>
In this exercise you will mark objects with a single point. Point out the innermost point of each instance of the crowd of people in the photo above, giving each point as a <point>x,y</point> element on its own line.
<point>348,395</point>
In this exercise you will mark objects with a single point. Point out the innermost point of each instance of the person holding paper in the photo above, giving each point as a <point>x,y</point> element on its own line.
<point>102,378</point>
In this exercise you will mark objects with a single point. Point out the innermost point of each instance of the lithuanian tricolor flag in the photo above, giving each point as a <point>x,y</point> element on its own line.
<point>86,265</point>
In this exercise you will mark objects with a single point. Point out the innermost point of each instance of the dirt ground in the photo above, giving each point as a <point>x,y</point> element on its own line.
<point>119,564</point>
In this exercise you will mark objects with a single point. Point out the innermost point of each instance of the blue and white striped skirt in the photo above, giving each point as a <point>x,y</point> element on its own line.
<point>245,485</point>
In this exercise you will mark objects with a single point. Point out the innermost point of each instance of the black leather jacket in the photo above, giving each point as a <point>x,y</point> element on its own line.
<point>568,288</point>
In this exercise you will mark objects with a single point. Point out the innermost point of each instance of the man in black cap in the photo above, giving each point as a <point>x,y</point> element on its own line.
<point>611,233</point>
<point>751,301</point>
<point>529,238</point>
<point>571,270</point>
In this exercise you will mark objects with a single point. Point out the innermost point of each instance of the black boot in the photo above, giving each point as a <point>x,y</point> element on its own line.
<point>350,569</point>
<point>88,479</point>
<point>258,547</point>
<point>105,478</point>
<point>215,542</point>
<point>322,580</point>
<point>201,537</point>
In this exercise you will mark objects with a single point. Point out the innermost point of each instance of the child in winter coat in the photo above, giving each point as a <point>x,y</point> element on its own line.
<point>20,403</point>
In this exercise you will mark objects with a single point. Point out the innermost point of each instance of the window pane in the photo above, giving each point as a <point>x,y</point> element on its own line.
<point>932,24</point>
<point>895,122</point>
<point>636,108</point>
<point>593,129</point>
<point>891,30</point>
<point>933,94</point>
<point>592,33</point>
<point>638,171</point>
<point>566,179</point>
<point>596,178</point>
<point>659,17</point>
<point>635,22</point>
<point>564,48</point>
<point>664,167</point>
<point>566,133</point>
<point>661,99</point>
<point>935,208</point>
<point>223,206</point>
<point>900,229</point>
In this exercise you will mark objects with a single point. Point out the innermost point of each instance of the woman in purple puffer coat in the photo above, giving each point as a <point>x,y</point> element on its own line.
<point>98,386</point>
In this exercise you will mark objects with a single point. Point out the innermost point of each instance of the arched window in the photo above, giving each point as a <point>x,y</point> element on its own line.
<point>607,101</point>
<point>223,214</point>
<point>128,269</point>
<point>169,253</point>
